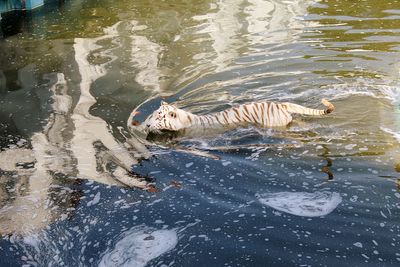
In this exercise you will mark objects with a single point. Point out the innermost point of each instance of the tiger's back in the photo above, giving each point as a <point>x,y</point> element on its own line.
<point>268,114</point>
<point>261,114</point>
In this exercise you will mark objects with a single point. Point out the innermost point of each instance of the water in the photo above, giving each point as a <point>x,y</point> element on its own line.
<point>325,191</point>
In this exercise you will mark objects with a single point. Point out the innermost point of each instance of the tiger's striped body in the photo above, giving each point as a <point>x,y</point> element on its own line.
<point>261,114</point>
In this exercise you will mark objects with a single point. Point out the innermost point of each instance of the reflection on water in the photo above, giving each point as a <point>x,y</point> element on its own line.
<point>90,129</point>
<point>71,174</point>
<point>68,147</point>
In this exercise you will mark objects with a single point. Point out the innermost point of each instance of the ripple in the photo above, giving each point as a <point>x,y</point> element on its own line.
<point>364,87</point>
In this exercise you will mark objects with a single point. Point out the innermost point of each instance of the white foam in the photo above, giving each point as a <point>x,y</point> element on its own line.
<point>393,133</point>
<point>95,200</point>
<point>138,246</point>
<point>302,203</point>
<point>362,87</point>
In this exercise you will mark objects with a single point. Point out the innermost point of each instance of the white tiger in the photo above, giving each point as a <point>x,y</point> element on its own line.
<point>262,114</point>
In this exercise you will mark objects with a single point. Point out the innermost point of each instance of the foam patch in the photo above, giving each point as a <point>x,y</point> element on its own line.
<point>393,133</point>
<point>302,203</point>
<point>138,246</point>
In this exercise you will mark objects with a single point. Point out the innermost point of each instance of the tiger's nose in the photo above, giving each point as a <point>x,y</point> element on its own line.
<point>148,125</point>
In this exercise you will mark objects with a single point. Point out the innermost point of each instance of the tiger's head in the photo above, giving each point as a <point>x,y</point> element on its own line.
<point>167,118</point>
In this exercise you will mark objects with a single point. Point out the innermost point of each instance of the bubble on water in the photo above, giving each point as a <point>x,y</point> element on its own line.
<point>138,246</point>
<point>302,203</point>
<point>365,256</point>
<point>95,200</point>
<point>188,165</point>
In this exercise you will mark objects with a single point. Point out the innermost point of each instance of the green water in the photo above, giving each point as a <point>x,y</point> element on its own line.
<point>72,72</point>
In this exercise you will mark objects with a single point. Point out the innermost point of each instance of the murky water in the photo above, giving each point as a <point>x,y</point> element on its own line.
<point>325,191</point>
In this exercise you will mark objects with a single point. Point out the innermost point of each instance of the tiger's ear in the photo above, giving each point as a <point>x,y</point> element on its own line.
<point>163,103</point>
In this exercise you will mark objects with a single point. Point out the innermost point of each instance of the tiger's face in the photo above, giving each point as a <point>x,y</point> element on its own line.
<point>166,118</point>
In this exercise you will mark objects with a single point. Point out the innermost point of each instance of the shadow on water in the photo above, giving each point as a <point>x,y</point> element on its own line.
<point>14,21</point>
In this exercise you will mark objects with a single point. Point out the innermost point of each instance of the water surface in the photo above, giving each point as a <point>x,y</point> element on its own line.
<point>324,191</point>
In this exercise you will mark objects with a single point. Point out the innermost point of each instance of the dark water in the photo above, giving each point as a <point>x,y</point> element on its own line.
<point>323,192</point>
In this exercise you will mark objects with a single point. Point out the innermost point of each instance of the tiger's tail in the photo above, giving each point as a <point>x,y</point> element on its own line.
<point>297,109</point>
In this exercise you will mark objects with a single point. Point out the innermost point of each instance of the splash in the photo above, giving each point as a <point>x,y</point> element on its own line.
<point>138,246</point>
<point>395,134</point>
<point>360,87</point>
<point>302,203</point>
<point>366,88</point>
